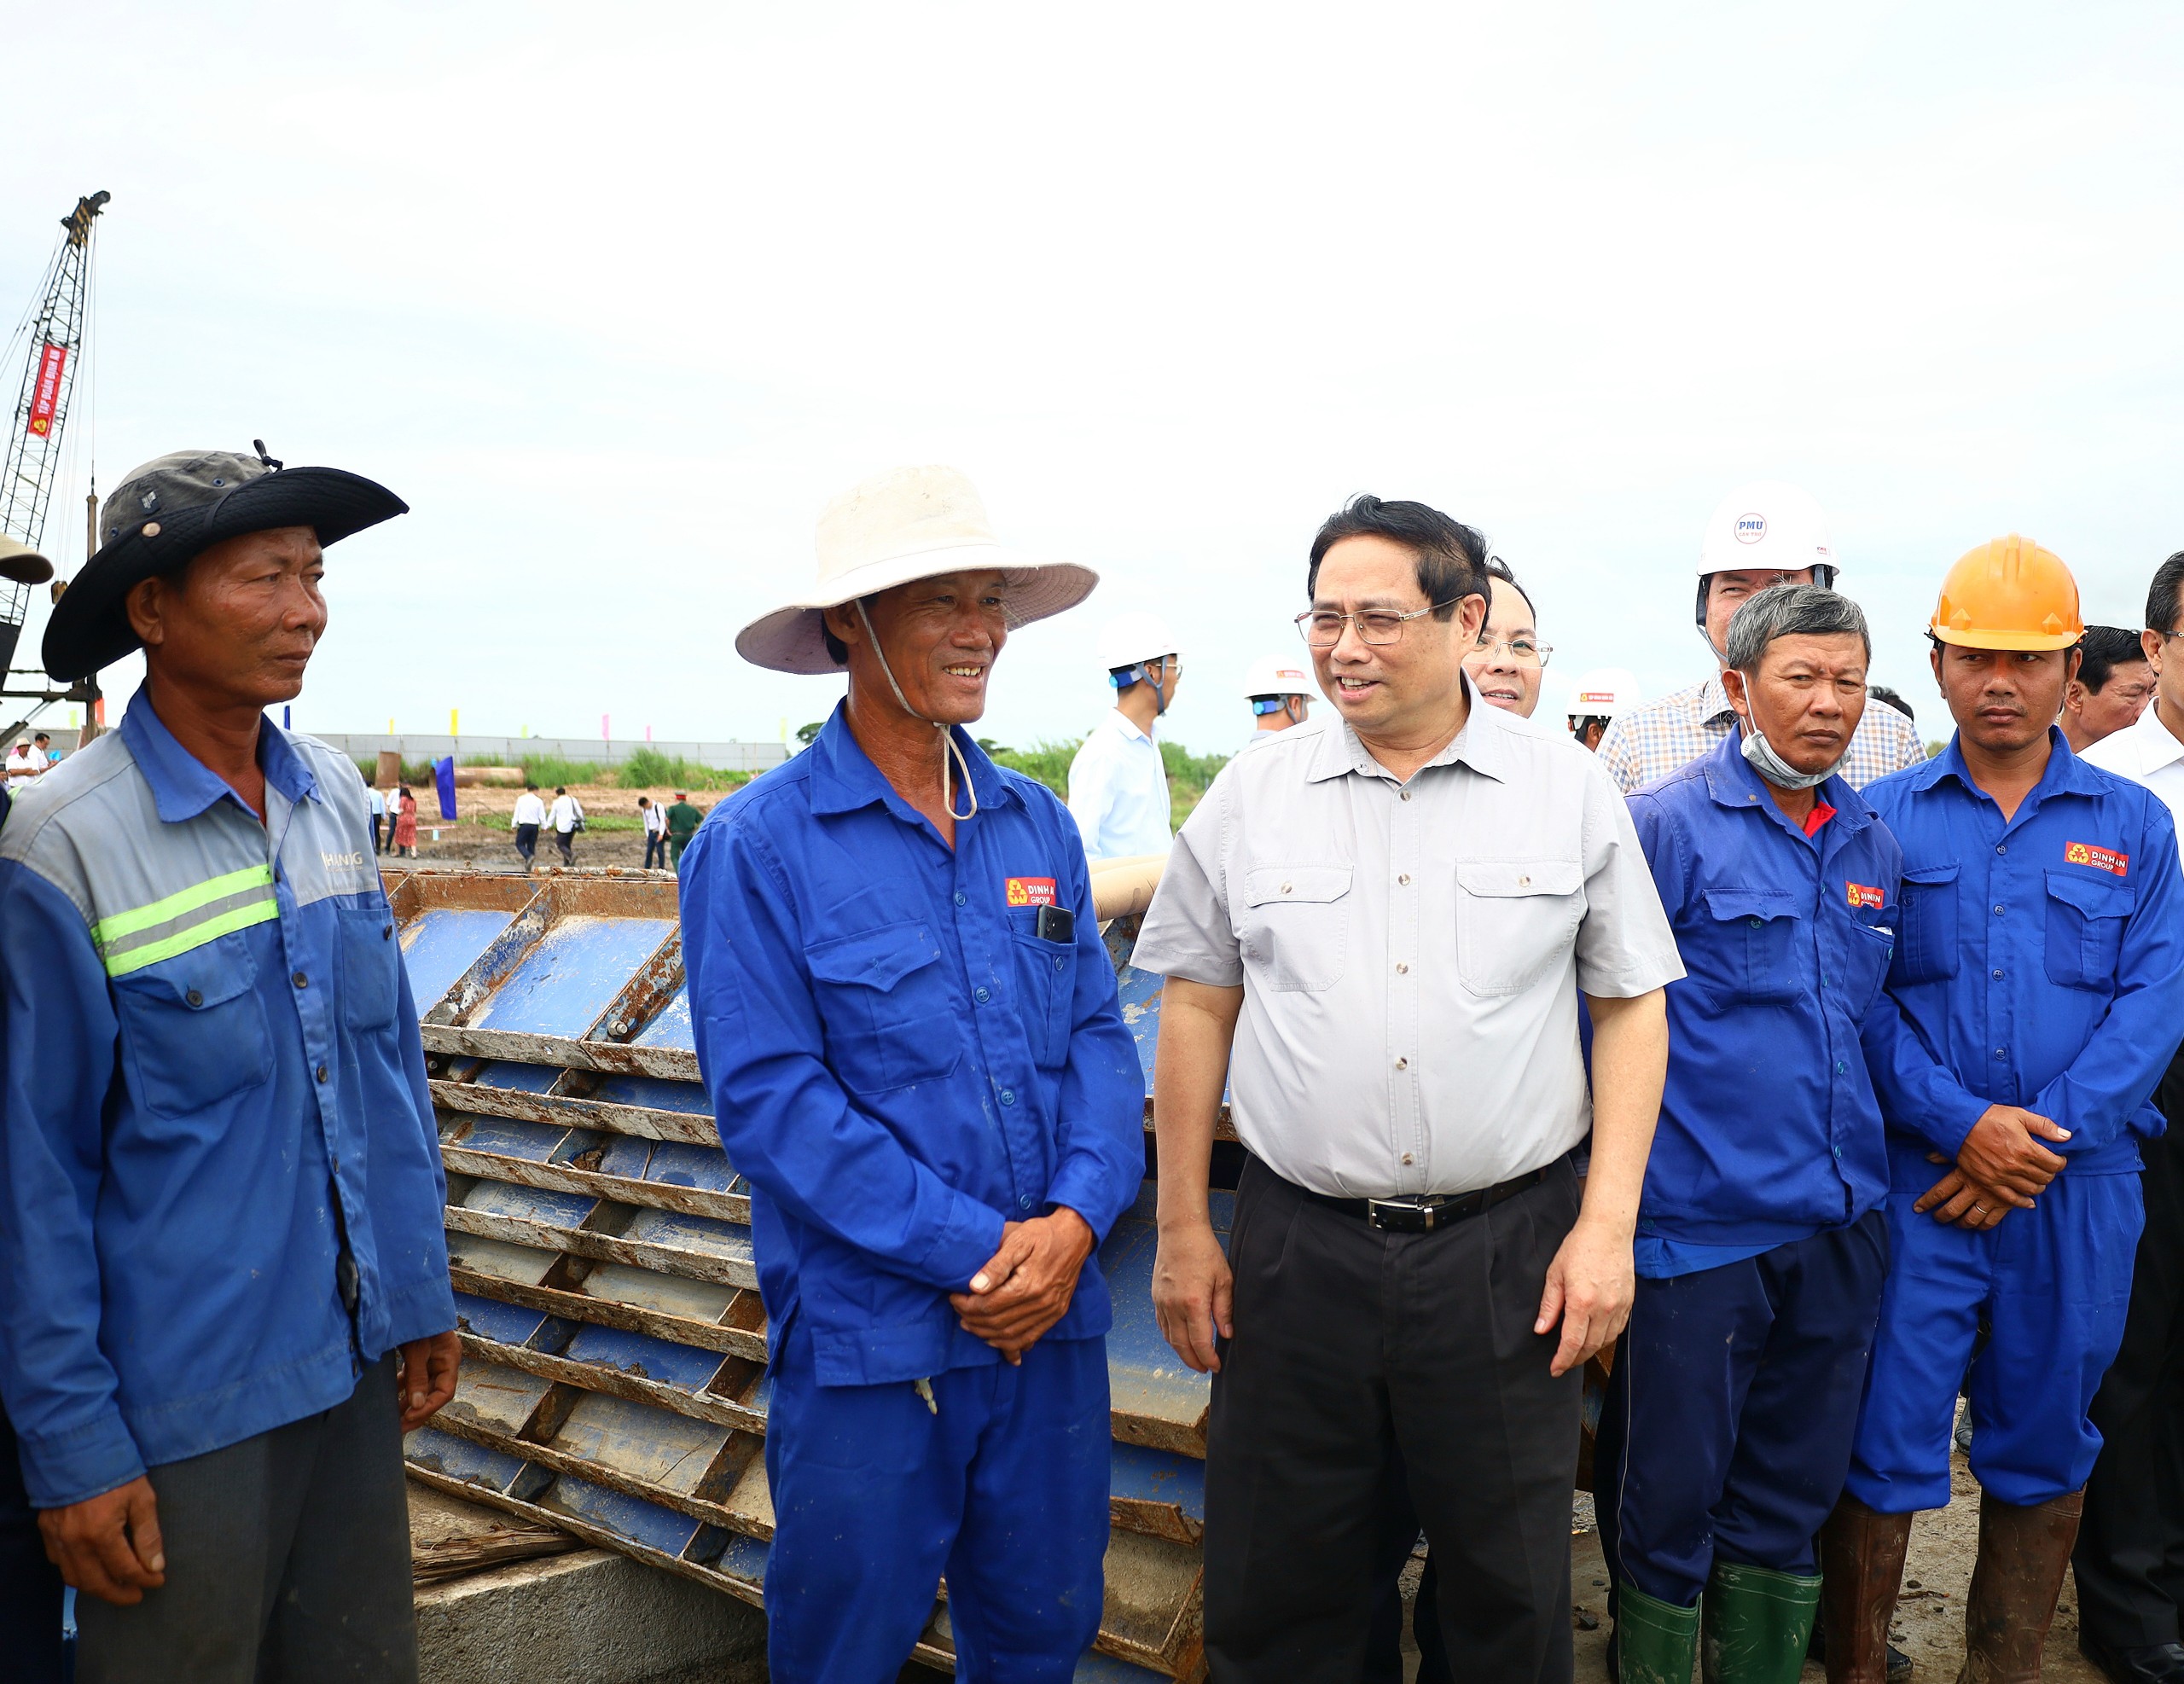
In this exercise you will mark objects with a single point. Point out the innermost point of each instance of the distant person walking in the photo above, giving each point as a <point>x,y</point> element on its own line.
<point>529,814</point>
<point>405,825</point>
<point>682,821</point>
<point>568,820</point>
<point>378,803</point>
<point>655,818</point>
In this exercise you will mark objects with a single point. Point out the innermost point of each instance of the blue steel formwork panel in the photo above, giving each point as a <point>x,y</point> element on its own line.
<point>614,1377</point>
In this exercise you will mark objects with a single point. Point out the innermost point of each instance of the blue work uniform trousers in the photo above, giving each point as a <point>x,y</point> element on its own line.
<point>2053,1282</point>
<point>1730,1413</point>
<point>1002,1485</point>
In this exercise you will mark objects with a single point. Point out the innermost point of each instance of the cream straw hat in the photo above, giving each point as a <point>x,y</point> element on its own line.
<point>909,522</point>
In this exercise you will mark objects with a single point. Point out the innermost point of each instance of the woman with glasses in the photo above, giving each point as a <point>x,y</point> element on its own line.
<point>1505,668</point>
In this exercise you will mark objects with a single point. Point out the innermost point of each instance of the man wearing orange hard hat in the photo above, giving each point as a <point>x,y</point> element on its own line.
<point>2036,993</point>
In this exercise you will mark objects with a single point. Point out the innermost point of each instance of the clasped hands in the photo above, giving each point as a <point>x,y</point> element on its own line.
<point>1025,1286</point>
<point>2000,1167</point>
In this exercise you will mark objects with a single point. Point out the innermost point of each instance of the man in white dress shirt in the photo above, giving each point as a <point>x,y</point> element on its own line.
<point>1387,921</point>
<point>1119,783</point>
<point>2130,1557</point>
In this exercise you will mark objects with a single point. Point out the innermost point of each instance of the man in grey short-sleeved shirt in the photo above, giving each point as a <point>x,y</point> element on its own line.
<point>1387,923</point>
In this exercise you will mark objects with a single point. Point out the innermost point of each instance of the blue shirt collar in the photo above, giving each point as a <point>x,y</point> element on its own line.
<point>1732,781</point>
<point>183,786</point>
<point>844,778</point>
<point>2066,775</point>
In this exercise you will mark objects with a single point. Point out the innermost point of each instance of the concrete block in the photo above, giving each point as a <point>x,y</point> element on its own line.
<point>591,1617</point>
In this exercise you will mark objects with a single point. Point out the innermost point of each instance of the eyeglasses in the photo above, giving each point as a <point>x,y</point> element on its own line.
<point>1524,650</point>
<point>1322,628</point>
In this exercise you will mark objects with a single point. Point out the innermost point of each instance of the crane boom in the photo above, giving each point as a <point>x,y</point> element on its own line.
<point>31,462</point>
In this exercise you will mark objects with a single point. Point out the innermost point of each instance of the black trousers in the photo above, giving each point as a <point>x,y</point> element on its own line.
<point>287,1561</point>
<point>2130,1550</point>
<point>30,1585</point>
<point>1374,1377</point>
<point>566,840</point>
<point>526,842</point>
<point>376,825</point>
<point>655,850</point>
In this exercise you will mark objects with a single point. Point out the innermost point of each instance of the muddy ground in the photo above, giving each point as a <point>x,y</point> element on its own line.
<point>491,846</point>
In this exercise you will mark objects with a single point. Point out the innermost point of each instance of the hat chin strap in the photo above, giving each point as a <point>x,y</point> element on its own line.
<point>947,736</point>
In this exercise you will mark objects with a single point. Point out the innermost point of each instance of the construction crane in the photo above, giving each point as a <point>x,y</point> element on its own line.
<point>56,329</point>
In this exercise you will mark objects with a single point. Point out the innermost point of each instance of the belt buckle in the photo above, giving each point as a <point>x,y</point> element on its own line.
<point>1429,1214</point>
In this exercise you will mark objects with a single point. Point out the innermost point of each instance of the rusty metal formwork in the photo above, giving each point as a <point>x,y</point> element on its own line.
<point>614,1379</point>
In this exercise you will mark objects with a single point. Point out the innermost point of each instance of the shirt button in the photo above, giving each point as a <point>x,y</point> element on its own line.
<point>1008,1096</point>
<point>2000,1053</point>
<point>1998,976</point>
<point>1406,795</point>
<point>1284,888</point>
<point>1406,1158</point>
<point>1403,1063</point>
<point>195,998</point>
<point>1402,968</point>
<point>300,980</point>
<point>1523,882</point>
<point>1404,879</point>
<point>981,995</point>
<point>1058,963</point>
<point>2001,847</point>
<point>962,899</point>
<point>1998,911</point>
<point>1838,1152</point>
<point>1025,1202</point>
<point>322,1072</point>
<point>1840,1066</point>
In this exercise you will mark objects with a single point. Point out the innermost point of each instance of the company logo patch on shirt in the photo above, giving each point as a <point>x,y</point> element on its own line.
<point>1030,892</point>
<point>2100,859</point>
<point>1864,894</point>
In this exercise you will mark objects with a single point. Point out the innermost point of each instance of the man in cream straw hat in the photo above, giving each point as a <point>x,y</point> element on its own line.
<point>909,1031</point>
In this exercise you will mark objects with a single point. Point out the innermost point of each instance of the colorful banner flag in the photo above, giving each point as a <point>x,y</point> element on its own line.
<point>45,396</point>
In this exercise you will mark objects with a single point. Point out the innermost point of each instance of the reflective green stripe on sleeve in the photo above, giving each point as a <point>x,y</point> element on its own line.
<point>109,930</point>
<point>258,911</point>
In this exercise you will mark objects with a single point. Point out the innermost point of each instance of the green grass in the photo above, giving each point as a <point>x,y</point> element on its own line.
<point>648,768</point>
<point>1188,774</point>
<point>592,822</point>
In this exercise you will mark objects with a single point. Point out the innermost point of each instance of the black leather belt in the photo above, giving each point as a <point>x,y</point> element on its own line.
<point>1428,1212</point>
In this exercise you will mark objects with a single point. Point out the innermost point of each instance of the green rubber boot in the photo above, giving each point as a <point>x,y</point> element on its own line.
<point>1655,1643</point>
<point>1758,1624</point>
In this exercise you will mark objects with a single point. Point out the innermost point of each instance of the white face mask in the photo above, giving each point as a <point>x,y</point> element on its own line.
<point>1767,763</point>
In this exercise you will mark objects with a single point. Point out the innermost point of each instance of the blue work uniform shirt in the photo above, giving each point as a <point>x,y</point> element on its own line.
<point>210,1068</point>
<point>2039,961</point>
<point>899,1062</point>
<point>1770,1129</point>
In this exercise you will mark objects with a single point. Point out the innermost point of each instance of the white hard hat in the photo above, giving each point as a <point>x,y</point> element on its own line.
<point>1128,639</point>
<point>1603,692</point>
<point>1769,524</point>
<point>1276,676</point>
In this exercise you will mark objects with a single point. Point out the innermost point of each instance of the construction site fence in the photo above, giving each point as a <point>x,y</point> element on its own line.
<point>722,757</point>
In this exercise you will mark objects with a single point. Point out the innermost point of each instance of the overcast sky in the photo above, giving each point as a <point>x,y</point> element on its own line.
<point>618,297</point>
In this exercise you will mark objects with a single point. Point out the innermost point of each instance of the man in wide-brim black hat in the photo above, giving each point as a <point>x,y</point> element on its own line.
<point>223,1287</point>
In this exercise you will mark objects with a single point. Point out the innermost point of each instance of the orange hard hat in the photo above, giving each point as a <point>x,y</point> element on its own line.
<point>2009,593</point>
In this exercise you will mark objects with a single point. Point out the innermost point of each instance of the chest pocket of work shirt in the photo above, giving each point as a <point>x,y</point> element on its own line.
<point>884,1000</point>
<point>2085,929</point>
<point>1755,964</point>
<point>1926,947</point>
<point>368,958</point>
<point>1046,979</point>
<point>170,1012</point>
<point>1514,918</point>
<point>1296,929</point>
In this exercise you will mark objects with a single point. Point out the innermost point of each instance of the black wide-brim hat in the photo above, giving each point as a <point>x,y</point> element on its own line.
<point>176,506</point>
